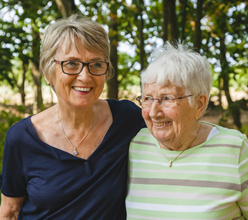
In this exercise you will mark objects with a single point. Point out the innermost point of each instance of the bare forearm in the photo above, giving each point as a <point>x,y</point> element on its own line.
<point>10,207</point>
<point>8,215</point>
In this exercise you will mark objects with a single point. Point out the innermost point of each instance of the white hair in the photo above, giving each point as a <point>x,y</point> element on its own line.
<point>180,66</point>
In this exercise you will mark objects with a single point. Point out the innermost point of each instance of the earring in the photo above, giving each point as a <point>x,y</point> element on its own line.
<point>48,83</point>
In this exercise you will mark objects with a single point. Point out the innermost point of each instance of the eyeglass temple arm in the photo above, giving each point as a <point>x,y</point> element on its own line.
<point>55,61</point>
<point>183,97</point>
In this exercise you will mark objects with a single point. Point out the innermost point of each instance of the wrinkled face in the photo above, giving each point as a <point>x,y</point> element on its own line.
<point>79,90</point>
<point>170,125</point>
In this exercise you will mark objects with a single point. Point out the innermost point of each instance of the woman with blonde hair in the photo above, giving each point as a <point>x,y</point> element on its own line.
<point>70,161</point>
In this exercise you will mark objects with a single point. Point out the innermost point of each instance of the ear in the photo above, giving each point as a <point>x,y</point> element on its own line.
<point>47,81</point>
<point>200,104</point>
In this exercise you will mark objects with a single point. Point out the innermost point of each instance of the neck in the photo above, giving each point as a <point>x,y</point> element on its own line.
<point>75,118</point>
<point>189,140</point>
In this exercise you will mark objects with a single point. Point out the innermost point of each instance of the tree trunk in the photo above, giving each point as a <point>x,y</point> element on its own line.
<point>220,94</point>
<point>37,88</point>
<point>165,22</point>
<point>172,21</point>
<point>141,35</point>
<point>233,106</point>
<point>22,87</point>
<point>197,35</point>
<point>35,70</point>
<point>184,4</point>
<point>66,7</point>
<point>112,84</point>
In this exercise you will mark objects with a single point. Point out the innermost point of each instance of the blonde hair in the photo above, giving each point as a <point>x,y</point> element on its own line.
<point>92,35</point>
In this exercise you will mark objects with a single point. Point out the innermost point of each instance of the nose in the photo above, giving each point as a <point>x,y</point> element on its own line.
<point>156,109</point>
<point>84,74</point>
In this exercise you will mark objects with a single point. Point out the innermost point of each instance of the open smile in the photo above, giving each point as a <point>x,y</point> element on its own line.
<point>162,124</point>
<point>82,89</point>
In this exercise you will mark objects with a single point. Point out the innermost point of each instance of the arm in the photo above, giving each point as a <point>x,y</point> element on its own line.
<point>243,170</point>
<point>10,207</point>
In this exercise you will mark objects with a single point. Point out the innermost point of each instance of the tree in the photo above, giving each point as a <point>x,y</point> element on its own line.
<point>221,27</point>
<point>197,35</point>
<point>66,7</point>
<point>112,14</point>
<point>24,32</point>
<point>184,6</point>
<point>113,83</point>
<point>165,20</point>
<point>172,21</point>
<point>141,34</point>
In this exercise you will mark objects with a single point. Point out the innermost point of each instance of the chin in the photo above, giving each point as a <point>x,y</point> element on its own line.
<point>160,134</point>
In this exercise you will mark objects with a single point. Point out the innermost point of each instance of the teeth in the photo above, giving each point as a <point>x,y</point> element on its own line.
<point>82,89</point>
<point>159,124</point>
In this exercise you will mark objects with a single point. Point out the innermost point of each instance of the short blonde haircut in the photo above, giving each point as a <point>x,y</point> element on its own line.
<point>64,31</point>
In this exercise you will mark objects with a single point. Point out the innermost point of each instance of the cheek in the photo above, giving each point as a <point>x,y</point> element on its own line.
<point>172,113</point>
<point>145,114</point>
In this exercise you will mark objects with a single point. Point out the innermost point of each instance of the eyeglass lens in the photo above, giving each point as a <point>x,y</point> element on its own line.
<point>164,100</point>
<point>75,67</point>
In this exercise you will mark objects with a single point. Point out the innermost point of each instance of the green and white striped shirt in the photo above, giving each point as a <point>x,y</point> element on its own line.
<point>209,181</point>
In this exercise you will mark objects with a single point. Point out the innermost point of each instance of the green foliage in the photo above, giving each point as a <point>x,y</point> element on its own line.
<point>20,24</point>
<point>244,128</point>
<point>7,119</point>
<point>20,46</point>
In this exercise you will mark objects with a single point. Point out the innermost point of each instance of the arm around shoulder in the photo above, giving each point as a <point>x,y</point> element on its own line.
<point>10,207</point>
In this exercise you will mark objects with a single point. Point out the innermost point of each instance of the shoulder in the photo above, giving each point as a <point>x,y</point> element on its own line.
<point>230,133</point>
<point>124,106</point>
<point>20,128</point>
<point>45,117</point>
<point>125,110</point>
<point>126,115</point>
<point>227,132</point>
<point>143,142</point>
<point>231,139</point>
<point>17,136</point>
<point>144,137</point>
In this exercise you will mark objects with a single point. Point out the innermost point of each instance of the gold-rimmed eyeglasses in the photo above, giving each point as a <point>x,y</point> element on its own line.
<point>165,100</point>
<point>74,67</point>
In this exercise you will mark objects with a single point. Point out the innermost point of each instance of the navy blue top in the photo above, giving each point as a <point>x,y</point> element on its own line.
<point>58,185</point>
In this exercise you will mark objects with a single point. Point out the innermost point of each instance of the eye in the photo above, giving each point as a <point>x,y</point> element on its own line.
<point>71,64</point>
<point>167,98</point>
<point>97,65</point>
<point>147,99</point>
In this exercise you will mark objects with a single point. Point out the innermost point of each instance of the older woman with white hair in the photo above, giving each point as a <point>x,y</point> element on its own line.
<point>181,167</point>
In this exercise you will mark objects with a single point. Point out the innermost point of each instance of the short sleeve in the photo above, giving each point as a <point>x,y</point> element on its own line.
<point>243,172</point>
<point>13,181</point>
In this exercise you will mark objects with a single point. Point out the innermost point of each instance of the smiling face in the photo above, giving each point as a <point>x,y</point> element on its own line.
<point>174,127</point>
<point>82,90</point>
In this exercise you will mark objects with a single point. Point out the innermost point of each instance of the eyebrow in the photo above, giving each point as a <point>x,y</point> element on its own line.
<point>159,96</point>
<point>92,59</point>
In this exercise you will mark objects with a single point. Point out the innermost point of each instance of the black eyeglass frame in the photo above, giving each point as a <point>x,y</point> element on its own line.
<point>84,64</point>
<point>139,98</point>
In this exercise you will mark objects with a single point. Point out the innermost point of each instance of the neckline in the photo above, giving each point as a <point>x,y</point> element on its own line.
<point>63,155</point>
<point>198,146</point>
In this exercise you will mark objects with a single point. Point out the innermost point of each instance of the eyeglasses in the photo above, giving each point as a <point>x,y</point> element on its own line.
<point>73,67</point>
<point>165,101</point>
